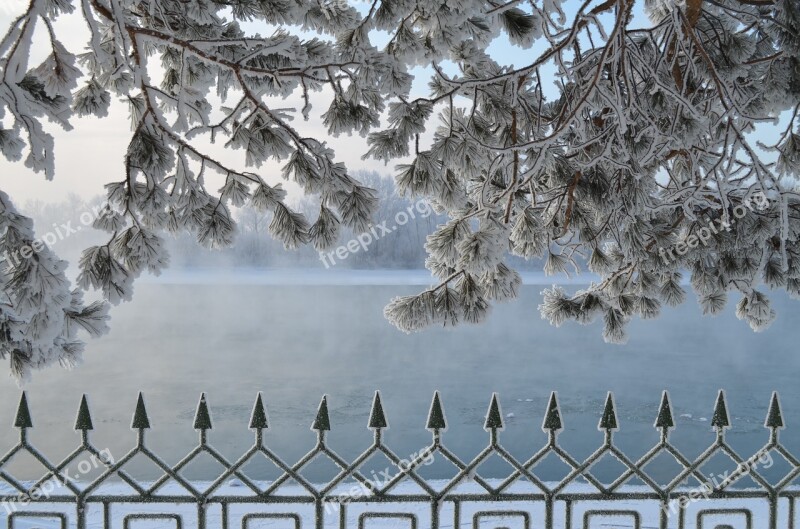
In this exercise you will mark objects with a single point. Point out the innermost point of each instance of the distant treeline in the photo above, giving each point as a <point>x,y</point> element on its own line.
<point>403,247</point>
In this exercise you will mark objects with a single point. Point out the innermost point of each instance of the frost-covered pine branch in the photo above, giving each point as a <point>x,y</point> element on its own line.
<point>608,141</point>
<point>39,315</point>
<point>643,163</point>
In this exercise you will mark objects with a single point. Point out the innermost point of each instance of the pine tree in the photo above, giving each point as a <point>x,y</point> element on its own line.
<point>628,147</point>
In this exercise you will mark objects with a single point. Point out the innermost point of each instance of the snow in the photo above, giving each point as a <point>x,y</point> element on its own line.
<point>648,509</point>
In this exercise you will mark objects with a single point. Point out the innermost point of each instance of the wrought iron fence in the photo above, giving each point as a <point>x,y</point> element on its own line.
<point>467,500</point>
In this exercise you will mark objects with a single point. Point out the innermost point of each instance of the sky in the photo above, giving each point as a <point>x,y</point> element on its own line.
<point>91,155</point>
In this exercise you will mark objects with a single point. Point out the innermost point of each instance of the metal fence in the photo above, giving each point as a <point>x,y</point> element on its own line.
<point>404,499</point>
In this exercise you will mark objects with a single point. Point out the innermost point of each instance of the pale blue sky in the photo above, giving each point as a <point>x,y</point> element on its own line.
<point>91,155</point>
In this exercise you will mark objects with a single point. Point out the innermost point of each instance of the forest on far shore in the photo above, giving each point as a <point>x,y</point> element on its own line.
<point>254,247</point>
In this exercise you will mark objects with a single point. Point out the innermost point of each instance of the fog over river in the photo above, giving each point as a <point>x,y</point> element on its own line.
<point>295,338</point>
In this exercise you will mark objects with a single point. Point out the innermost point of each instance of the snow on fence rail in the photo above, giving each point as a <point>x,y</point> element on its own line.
<point>522,500</point>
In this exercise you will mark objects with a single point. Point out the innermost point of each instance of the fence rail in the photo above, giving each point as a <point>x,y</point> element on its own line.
<point>405,499</point>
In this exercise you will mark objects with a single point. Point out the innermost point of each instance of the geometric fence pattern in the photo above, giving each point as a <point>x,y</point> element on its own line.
<point>579,500</point>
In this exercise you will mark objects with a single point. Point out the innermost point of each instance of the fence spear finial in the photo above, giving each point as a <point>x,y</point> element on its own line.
<point>664,419</point>
<point>494,419</point>
<point>23,418</point>
<point>322,422</point>
<point>609,419</point>
<point>140,419</point>
<point>258,419</point>
<point>84,419</point>
<point>720,421</point>
<point>775,416</point>
<point>436,418</point>
<point>377,419</point>
<point>552,419</point>
<point>202,419</point>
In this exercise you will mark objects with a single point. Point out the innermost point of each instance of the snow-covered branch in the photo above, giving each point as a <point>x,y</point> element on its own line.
<point>611,145</point>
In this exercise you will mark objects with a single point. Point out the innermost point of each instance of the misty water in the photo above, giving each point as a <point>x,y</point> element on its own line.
<point>299,339</point>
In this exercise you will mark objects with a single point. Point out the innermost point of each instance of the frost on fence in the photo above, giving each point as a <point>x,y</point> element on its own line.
<point>523,499</point>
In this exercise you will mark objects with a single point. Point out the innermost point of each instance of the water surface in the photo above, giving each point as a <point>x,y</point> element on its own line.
<point>295,342</point>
